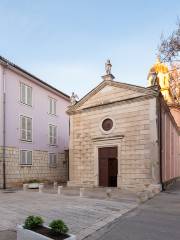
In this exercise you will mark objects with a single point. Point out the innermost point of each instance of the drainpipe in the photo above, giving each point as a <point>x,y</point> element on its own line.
<point>4,127</point>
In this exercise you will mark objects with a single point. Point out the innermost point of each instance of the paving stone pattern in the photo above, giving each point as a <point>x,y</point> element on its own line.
<point>82,215</point>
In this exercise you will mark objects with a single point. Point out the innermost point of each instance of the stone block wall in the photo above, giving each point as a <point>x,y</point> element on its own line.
<point>16,174</point>
<point>138,160</point>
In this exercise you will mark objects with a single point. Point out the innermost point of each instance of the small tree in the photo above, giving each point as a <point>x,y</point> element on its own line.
<point>169,49</point>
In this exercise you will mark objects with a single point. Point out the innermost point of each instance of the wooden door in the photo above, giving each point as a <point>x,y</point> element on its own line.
<point>105,165</point>
<point>112,172</point>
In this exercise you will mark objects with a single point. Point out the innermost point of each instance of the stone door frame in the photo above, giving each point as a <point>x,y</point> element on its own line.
<point>104,144</point>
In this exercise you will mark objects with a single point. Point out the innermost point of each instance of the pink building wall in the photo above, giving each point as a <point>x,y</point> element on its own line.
<point>16,173</point>
<point>170,147</point>
<point>1,106</point>
<point>176,114</point>
<point>38,112</point>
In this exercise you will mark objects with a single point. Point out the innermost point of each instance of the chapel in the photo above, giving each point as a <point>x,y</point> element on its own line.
<point>125,136</point>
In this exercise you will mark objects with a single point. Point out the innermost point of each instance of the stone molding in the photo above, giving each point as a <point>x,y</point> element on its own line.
<point>104,83</point>
<point>107,138</point>
<point>124,101</point>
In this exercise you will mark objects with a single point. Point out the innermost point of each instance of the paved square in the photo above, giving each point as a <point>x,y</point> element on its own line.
<point>82,215</point>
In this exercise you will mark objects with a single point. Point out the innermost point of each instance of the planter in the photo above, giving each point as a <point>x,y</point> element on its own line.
<point>33,185</point>
<point>25,234</point>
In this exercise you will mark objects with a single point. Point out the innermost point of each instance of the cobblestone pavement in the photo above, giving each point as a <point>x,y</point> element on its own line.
<point>82,215</point>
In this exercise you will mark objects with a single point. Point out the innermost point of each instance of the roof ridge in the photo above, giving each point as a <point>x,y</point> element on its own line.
<point>31,75</point>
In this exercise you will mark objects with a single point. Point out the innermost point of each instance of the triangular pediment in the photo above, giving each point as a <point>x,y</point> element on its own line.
<point>109,92</point>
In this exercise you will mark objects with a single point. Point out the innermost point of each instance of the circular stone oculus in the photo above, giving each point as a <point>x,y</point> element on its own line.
<point>107,124</point>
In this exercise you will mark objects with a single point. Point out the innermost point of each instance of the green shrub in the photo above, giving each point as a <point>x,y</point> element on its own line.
<point>58,227</point>
<point>33,222</point>
<point>33,181</point>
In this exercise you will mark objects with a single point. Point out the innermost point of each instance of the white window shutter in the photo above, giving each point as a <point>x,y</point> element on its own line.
<point>52,160</point>
<point>23,122</point>
<point>29,136</point>
<point>26,94</point>
<point>50,105</point>
<point>54,106</point>
<point>23,128</point>
<point>50,134</point>
<point>54,135</point>
<point>23,93</point>
<point>29,96</point>
<point>29,129</point>
<point>29,157</point>
<point>23,157</point>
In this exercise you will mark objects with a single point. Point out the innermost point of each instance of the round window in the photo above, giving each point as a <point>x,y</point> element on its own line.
<point>107,124</point>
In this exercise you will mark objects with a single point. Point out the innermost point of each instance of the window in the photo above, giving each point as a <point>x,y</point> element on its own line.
<point>52,160</point>
<point>26,94</point>
<point>52,135</point>
<point>52,106</point>
<point>25,157</point>
<point>107,124</point>
<point>26,129</point>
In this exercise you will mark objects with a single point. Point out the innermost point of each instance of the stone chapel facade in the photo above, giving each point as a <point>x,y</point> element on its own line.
<point>115,137</point>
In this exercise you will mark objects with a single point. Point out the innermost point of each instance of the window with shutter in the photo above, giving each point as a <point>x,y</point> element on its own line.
<point>26,94</point>
<point>25,157</point>
<point>52,160</point>
<point>52,106</point>
<point>52,135</point>
<point>26,128</point>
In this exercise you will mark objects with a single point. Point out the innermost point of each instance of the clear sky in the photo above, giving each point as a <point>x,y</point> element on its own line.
<point>66,42</point>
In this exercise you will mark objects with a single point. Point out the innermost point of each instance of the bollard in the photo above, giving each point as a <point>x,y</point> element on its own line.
<point>150,194</point>
<point>41,186</point>
<point>25,187</point>
<point>108,192</point>
<point>55,185</point>
<point>60,190</point>
<point>81,192</point>
<point>142,196</point>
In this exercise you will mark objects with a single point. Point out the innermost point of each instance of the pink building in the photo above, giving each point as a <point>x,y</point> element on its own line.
<point>170,143</point>
<point>34,128</point>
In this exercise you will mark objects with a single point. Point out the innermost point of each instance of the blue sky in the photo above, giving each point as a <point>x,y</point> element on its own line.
<point>66,42</point>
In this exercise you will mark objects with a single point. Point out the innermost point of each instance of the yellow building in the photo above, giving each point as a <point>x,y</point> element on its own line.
<point>169,83</point>
<point>159,75</point>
